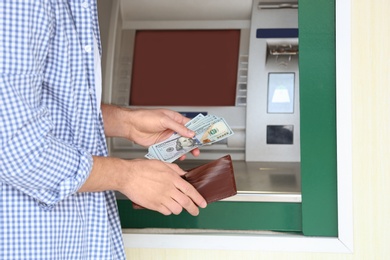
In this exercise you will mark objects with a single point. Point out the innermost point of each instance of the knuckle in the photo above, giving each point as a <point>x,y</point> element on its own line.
<point>187,188</point>
<point>177,210</point>
<point>187,202</point>
<point>163,210</point>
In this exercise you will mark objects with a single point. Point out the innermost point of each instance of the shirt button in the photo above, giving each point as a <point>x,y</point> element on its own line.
<point>88,48</point>
<point>85,4</point>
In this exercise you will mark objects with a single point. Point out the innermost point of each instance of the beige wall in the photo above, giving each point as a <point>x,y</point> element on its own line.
<point>371,155</point>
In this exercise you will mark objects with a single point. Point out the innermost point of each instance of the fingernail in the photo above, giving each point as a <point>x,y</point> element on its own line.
<point>191,133</point>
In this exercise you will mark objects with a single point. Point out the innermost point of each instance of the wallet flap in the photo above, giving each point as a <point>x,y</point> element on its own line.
<point>214,180</point>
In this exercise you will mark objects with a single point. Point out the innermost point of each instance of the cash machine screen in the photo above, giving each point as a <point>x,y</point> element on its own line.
<point>185,68</point>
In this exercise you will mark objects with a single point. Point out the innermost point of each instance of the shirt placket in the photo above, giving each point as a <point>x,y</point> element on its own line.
<point>83,16</point>
<point>87,41</point>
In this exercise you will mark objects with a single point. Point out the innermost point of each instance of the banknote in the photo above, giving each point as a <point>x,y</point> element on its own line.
<point>190,124</point>
<point>173,149</point>
<point>193,122</point>
<point>208,130</point>
<point>217,131</point>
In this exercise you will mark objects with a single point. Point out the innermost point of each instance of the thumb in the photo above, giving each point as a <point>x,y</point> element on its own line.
<point>179,128</point>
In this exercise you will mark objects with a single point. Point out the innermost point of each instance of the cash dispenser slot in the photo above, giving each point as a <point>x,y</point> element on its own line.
<point>280,5</point>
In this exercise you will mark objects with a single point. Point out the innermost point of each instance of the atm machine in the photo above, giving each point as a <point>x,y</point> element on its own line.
<point>234,59</point>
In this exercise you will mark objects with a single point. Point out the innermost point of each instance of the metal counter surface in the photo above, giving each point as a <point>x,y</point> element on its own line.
<point>260,181</point>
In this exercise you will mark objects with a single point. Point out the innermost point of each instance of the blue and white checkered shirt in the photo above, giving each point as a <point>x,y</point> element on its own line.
<point>49,130</point>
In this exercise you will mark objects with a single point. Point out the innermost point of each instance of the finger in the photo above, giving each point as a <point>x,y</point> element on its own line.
<point>187,189</point>
<point>164,210</point>
<point>195,152</point>
<point>182,130</point>
<point>182,158</point>
<point>173,206</point>
<point>186,120</point>
<point>185,202</point>
<point>178,126</point>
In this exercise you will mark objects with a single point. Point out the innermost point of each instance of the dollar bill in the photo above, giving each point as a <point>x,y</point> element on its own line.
<point>208,130</point>
<point>217,131</point>
<point>173,149</point>
<point>193,122</point>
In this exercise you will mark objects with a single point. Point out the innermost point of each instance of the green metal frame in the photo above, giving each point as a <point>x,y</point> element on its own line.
<point>317,215</point>
<point>317,56</point>
<point>220,215</point>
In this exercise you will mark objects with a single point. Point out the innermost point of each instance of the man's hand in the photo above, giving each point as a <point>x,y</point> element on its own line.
<point>145,126</point>
<point>158,186</point>
<point>152,184</point>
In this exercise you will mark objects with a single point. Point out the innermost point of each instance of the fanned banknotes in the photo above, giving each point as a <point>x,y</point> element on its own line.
<point>208,129</point>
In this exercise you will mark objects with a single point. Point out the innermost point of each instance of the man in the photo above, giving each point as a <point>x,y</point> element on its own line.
<point>56,181</point>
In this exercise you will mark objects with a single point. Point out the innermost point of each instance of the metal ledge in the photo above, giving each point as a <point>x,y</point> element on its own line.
<point>263,181</point>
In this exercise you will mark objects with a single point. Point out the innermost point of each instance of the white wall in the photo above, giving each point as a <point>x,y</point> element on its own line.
<point>371,155</point>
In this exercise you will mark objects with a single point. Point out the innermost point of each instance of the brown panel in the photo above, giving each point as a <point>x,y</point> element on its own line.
<point>185,68</point>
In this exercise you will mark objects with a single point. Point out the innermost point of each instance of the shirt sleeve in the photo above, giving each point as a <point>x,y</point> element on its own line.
<point>32,159</point>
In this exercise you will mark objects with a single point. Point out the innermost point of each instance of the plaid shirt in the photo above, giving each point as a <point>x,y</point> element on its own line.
<point>49,130</point>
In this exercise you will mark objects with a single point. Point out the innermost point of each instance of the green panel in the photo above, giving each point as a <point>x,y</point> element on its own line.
<point>219,215</point>
<point>318,116</point>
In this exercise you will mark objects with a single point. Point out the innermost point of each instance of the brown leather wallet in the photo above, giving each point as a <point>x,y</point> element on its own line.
<point>214,180</point>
